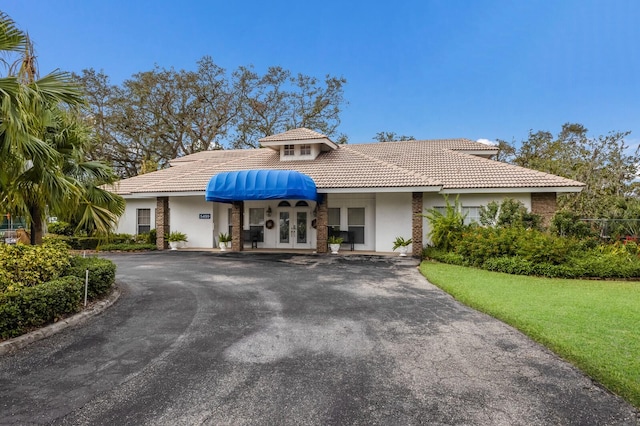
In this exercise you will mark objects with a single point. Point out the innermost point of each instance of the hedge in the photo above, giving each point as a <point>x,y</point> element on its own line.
<point>127,247</point>
<point>102,273</point>
<point>31,307</point>
<point>91,243</point>
<point>27,266</point>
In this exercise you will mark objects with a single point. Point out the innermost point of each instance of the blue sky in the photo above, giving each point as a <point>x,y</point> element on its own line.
<point>431,68</point>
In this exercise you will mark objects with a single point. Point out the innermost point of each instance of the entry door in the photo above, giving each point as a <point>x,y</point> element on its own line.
<point>293,228</point>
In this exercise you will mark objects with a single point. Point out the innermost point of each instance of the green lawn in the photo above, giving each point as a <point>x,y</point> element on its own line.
<point>593,324</point>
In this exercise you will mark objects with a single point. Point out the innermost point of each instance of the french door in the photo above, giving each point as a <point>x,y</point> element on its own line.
<point>293,228</point>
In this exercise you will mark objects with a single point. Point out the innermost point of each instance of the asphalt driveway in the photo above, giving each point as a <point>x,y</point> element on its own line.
<point>204,338</point>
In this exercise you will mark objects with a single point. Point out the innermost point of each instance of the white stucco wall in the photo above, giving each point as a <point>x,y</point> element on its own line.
<point>393,219</point>
<point>184,217</point>
<point>368,202</point>
<point>127,223</point>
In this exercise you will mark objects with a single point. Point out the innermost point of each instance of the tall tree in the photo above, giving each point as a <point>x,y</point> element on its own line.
<point>606,165</point>
<point>162,114</point>
<point>33,176</point>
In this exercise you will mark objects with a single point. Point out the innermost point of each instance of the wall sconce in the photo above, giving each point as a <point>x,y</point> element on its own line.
<point>269,211</point>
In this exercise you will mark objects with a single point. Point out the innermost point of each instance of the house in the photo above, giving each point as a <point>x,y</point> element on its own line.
<point>299,186</point>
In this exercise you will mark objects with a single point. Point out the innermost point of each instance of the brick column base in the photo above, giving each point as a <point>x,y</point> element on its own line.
<point>544,204</point>
<point>237,221</point>
<point>417,231</point>
<point>322,230</point>
<point>162,223</point>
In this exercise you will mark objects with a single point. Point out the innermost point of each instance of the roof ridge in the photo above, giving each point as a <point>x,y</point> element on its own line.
<point>393,166</point>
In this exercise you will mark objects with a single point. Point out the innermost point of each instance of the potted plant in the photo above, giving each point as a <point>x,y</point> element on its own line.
<point>175,238</point>
<point>402,244</point>
<point>223,239</point>
<point>334,243</point>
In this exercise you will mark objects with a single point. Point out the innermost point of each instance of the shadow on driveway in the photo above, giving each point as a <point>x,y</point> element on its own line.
<point>208,338</point>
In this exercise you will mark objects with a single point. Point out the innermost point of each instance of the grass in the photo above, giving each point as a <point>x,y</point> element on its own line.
<point>593,324</point>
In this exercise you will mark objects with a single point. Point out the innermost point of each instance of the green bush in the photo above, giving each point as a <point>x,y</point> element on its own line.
<point>92,243</point>
<point>446,228</point>
<point>27,266</point>
<point>539,247</point>
<point>151,236</point>
<point>31,307</point>
<point>60,228</point>
<point>509,213</point>
<point>443,256</point>
<point>568,224</point>
<point>516,250</point>
<point>126,247</point>
<point>102,273</point>
<point>479,244</point>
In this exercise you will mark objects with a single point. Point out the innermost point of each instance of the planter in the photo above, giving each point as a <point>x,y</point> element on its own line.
<point>174,245</point>
<point>222,245</point>
<point>403,250</point>
<point>334,248</point>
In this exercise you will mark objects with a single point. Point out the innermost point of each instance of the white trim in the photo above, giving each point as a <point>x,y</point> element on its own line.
<point>380,189</point>
<point>162,194</point>
<point>512,190</point>
<point>275,145</point>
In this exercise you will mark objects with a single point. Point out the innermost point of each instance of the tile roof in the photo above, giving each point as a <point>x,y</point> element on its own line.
<point>298,134</point>
<point>422,163</point>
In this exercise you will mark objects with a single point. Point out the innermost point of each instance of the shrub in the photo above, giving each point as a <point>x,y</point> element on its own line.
<point>479,244</point>
<point>30,307</point>
<point>27,266</point>
<point>443,256</point>
<point>126,247</point>
<point>60,228</point>
<point>152,236</point>
<point>568,224</point>
<point>539,247</point>
<point>446,228</point>
<point>102,274</point>
<point>509,213</point>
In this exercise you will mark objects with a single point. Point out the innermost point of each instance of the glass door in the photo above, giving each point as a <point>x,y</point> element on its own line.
<point>284,228</point>
<point>301,228</point>
<point>293,228</point>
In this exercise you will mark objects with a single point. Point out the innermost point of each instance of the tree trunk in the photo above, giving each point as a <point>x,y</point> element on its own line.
<point>36,225</point>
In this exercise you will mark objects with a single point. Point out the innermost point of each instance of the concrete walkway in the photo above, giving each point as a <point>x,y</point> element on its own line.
<point>261,338</point>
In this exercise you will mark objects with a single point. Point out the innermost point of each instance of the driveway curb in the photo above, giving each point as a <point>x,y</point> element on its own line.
<point>20,342</point>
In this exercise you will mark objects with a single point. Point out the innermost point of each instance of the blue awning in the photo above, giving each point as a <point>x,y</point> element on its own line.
<point>243,185</point>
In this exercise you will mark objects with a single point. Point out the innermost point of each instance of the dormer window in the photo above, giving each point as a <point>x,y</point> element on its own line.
<point>289,150</point>
<point>305,149</point>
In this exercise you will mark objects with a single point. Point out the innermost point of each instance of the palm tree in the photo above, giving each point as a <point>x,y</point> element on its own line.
<point>41,148</point>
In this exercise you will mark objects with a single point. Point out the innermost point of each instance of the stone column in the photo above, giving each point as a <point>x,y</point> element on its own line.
<point>237,221</point>
<point>322,229</point>
<point>545,205</point>
<point>417,231</point>
<point>162,223</point>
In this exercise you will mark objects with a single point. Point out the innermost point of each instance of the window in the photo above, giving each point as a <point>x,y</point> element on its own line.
<point>284,204</point>
<point>305,149</point>
<point>230,221</point>
<point>355,219</point>
<point>256,216</point>
<point>334,219</point>
<point>256,224</point>
<point>289,150</point>
<point>302,204</point>
<point>143,220</point>
<point>473,214</point>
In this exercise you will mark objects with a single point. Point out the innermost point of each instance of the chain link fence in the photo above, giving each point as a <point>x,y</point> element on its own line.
<point>615,229</point>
